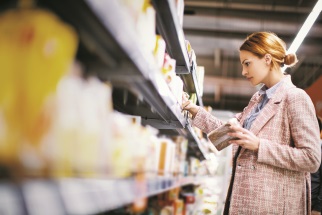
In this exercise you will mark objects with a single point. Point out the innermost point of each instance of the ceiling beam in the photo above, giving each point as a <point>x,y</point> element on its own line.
<point>239,25</point>
<point>205,44</point>
<point>248,7</point>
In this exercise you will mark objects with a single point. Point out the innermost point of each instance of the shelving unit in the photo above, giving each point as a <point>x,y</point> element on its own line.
<point>79,196</point>
<point>169,27</point>
<point>113,54</point>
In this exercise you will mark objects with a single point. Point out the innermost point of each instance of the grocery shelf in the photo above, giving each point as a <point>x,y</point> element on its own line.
<point>171,31</point>
<point>169,27</point>
<point>123,191</point>
<point>194,77</point>
<point>193,136</point>
<point>79,195</point>
<point>151,86</point>
<point>113,53</point>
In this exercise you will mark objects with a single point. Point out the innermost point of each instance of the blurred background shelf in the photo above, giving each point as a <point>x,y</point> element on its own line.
<point>80,196</point>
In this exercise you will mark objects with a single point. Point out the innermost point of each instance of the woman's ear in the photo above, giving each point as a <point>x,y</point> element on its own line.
<point>268,59</point>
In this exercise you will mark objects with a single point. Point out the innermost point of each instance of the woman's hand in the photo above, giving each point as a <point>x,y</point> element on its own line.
<point>246,138</point>
<point>189,106</point>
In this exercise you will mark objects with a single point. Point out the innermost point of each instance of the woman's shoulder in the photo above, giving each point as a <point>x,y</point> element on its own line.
<point>296,93</point>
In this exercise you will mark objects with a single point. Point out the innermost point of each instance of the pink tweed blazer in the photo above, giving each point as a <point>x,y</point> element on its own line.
<point>275,179</point>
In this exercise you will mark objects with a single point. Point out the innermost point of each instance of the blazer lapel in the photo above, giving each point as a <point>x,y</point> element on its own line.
<point>266,114</point>
<point>252,104</point>
<point>270,108</point>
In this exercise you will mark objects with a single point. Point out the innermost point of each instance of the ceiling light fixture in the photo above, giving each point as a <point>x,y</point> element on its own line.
<point>305,28</point>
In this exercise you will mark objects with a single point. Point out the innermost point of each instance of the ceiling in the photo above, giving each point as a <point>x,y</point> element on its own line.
<point>216,29</point>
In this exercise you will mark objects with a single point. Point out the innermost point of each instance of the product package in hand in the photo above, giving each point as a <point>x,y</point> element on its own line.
<point>219,137</point>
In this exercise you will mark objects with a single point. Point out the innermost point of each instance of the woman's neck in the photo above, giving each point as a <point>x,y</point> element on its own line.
<point>274,77</point>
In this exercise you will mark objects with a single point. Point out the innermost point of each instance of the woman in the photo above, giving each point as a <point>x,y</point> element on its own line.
<point>278,142</point>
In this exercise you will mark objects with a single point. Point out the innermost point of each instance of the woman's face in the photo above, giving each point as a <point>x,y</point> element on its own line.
<point>256,70</point>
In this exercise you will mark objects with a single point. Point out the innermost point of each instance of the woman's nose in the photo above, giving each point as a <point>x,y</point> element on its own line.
<point>244,72</point>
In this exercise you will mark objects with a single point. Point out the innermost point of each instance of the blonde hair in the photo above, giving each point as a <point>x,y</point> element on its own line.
<point>262,43</point>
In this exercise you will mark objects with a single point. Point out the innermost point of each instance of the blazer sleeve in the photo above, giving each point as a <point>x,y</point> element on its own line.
<point>306,155</point>
<point>205,121</point>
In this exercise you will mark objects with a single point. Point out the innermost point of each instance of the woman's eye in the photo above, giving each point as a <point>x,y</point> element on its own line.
<point>247,63</point>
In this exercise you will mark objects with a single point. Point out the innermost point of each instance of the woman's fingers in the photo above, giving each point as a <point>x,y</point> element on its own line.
<point>238,135</point>
<point>238,129</point>
<point>185,105</point>
<point>238,142</point>
<point>245,138</point>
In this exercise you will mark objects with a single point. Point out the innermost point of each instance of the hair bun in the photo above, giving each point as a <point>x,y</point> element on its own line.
<point>290,59</point>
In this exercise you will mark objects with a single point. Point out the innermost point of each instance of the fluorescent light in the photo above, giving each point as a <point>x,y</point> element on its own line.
<point>305,28</point>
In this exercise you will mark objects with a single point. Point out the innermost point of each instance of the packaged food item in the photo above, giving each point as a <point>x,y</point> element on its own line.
<point>178,207</point>
<point>146,26</point>
<point>200,73</point>
<point>219,137</point>
<point>189,203</point>
<point>167,155</point>
<point>159,51</point>
<point>140,202</point>
<point>193,98</point>
<point>37,49</point>
<point>189,50</point>
<point>169,67</point>
<point>82,121</point>
<point>167,210</point>
<point>134,7</point>
<point>176,87</point>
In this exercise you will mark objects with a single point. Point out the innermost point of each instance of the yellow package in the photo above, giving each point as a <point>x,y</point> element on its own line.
<point>36,49</point>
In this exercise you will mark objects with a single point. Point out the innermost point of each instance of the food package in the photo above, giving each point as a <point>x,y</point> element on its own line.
<point>146,26</point>
<point>193,98</point>
<point>189,50</point>
<point>81,121</point>
<point>194,165</point>
<point>169,66</point>
<point>176,87</point>
<point>134,7</point>
<point>200,73</point>
<point>219,137</point>
<point>189,203</point>
<point>167,210</point>
<point>178,207</point>
<point>36,50</point>
<point>153,153</point>
<point>159,51</point>
<point>181,153</point>
<point>120,155</point>
<point>167,153</point>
